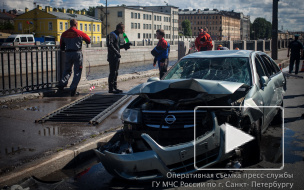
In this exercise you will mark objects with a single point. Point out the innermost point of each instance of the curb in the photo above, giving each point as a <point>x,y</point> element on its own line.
<point>20,97</point>
<point>83,85</point>
<point>52,163</point>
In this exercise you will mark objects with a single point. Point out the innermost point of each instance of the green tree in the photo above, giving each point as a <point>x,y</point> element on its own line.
<point>186,25</point>
<point>90,11</point>
<point>261,28</point>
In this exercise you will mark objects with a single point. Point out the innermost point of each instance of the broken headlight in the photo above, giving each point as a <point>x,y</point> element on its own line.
<point>131,115</point>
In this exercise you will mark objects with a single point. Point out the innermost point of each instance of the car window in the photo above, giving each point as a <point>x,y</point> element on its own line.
<point>266,69</point>
<point>273,64</point>
<point>30,39</point>
<point>17,40</point>
<point>9,40</point>
<point>259,69</point>
<point>23,39</point>
<point>222,69</point>
<point>268,65</point>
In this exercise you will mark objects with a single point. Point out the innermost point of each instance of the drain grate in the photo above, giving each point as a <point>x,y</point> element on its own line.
<point>92,108</point>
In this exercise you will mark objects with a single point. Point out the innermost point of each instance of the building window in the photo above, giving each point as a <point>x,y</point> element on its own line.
<point>97,38</point>
<point>135,25</point>
<point>138,25</point>
<point>138,35</point>
<point>81,27</point>
<point>149,35</point>
<point>98,29</point>
<point>154,27</point>
<point>132,25</point>
<point>144,26</point>
<point>119,14</point>
<point>132,14</point>
<point>50,26</point>
<point>94,39</point>
<point>135,15</point>
<point>150,17</point>
<point>154,17</point>
<point>144,35</point>
<point>20,26</point>
<point>144,17</point>
<point>60,26</point>
<point>138,15</point>
<point>66,26</point>
<point>150,26</point>
<point>85,27</point>
<point>93,27</point>
<point>89,27</point>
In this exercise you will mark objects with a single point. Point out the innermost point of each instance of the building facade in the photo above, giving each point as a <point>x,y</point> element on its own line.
<point>48,22</point>
<point>140,23</point>
<point>222,25</point>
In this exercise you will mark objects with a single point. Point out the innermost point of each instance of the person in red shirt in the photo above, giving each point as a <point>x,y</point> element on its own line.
<point>203,42</point>
<point>161,53</point>
<point>71,43</point>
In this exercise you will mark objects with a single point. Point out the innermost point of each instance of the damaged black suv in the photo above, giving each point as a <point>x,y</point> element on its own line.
<point>161,127</point>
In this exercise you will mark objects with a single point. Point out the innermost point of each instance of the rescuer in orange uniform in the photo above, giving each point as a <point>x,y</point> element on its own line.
<point>203,42</point>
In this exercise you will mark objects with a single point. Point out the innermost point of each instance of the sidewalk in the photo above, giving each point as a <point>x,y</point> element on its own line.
<point>38,149</point>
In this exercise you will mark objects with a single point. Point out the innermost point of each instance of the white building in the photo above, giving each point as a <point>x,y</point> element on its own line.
<point>141,23</point>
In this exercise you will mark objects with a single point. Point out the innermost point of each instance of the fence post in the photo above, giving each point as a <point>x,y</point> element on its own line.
<point>85,61</point>
<point>255,44</point>
<point>230,44</point>
<point>183,48</point>
<point>244,44</point>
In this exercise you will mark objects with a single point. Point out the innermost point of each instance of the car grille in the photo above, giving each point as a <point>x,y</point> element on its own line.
<point>184,119</point>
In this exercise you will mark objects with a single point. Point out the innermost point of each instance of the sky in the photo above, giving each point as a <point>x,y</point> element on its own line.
<point>291,14</point>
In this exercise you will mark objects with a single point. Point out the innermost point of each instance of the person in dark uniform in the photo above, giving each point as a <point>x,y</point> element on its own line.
<point>114,46</point>
<point>296,49</point>
<point>71,43</point>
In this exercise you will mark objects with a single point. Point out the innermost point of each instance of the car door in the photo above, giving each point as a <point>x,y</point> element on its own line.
<point>267,91</point>
<point>280,81</point>
<point>273,86</point>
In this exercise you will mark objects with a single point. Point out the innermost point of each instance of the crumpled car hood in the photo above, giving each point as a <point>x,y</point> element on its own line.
<point>198,85</point>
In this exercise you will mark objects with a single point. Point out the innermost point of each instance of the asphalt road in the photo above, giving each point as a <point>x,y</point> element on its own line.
<point>92,175</point>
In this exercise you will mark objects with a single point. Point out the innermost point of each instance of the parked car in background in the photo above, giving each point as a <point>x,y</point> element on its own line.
<point>20,39</point>
<point>158,126</point>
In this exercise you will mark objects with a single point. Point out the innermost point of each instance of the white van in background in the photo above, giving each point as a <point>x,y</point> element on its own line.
<point>21,39</point>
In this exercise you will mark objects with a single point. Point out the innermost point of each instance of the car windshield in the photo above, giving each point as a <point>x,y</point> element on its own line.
<point>9,40</point>
<point>222,69</point>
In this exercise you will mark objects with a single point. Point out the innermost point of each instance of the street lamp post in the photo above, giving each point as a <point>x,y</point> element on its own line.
<point>274,44</point>
<point>106,17</point>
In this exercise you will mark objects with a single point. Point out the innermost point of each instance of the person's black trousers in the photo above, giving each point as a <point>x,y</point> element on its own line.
<point>291,63</point>
<point>112,80</point>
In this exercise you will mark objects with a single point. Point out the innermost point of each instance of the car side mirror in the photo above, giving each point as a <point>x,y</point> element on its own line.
<point>152,79</point>
<point>264,80</point>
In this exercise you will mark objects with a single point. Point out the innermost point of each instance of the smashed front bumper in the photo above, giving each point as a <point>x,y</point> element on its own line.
<point>159,161</point>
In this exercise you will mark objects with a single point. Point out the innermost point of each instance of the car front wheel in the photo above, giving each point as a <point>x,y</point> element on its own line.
<point>251,151</point>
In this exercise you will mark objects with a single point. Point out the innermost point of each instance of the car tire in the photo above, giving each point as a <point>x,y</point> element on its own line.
<point>278,118</point>
<point>251,153</point>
